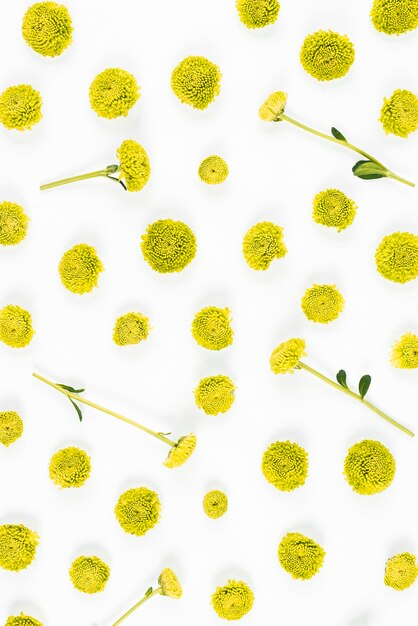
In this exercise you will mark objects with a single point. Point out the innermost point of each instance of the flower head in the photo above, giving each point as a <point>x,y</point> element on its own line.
<point>397,257</point>
<point>113,93</point>
<point>22,620</point>
<point>394,17</point>
<point>16,328</point>
<point>196,81</point>
<point>322,303</point>
<point>273,107</point>
<point>89,574</point>
<point>215,504</point>
<point>285,465</point>
<point>130,329</point>
<point>326,55</point>
<point>13,224</point>
<point>70,467</point>
<point>170,584</point>
<point>399,114</point>
<point>17,546</point>
<point>47,28</point>
<point>405,352</point>
<point>258,13</point>
<point>20,107</point>
<point>369,467</point>
<point>211,328</point>
<point>401,571</point>
<point>262,244</point>
<point>215,394</point>
<point>300,556</point>
<point>134,165</point>
<point>233,600</point>
<point>334,209</point>
<point>213,170</point>
<point>138,510</point>
<point>168,246</point>
<point>181,452</point>
<point>287,355</point>
<point>11,427</point>
<point>79,268</point>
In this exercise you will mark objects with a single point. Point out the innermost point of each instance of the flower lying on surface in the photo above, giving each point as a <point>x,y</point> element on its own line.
<point>405,352</point>
<point>22,620</point>
<point>113,93</point>
<point>70,467</point>
<point>322,303</point>
<point>47,28</point>
<point>13,224</point>
<point>326,55</point>
<point>397,257</point>
<point>215,394</point>
<point>213,170</point>
<point>80,268</point>
<point>300,556</point>
<point>401,571</point>
<point>394,17</point>
<point>20,107</point>
<point>369,467</point>
<point>258,13</point>
<point>11,427</point>
<point>233,600</point>
<point>196,81</point>
<point>17,546</point>
<point>211,328</point>
<point>273,107</point>
<point>130,329</point>
<point>333,208</point>
<point>285,465</point>
<point>89,574</point>
<point>262,244</point>
<point>215,504</point>
<point>16,329</point>
<point>399,114</point>
<point>168,246</point>
<point>138,510</point>
<point>181,451</point>
<point>287,356</point>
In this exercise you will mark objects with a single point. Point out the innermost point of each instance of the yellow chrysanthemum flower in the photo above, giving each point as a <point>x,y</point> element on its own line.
<point>262,244</point>
<point>79,268</point>
<point>168,246</point>
<point>11,427</point>
<point>89,574</point>
<point>130,329</point>
<point>273,107</point>
<point>405,352</point>
<point>181,452</point>
<point>13,224</point>
<point>397,257</point>
<point>70,467</point>
<point>215,394</point>
<point>333,208</point>
<point>369,467</point>
<point>399,114</point>
<point>113,93</point>
<point>17,546</point>
<point>16,329</point>
<point>138,510</point>
<point>211,328</point>
<point>394,17</point>
<point>215,503</point>
<point>196,81</point>
<point>326,55</point>
<point>287,355</point>
<point>20,107</point>
<point>22,620</point>
<point>258,13</point>
<point>322,303</point>
<point>47,28</point>
<point>233,600</point>
<point>300,556</point>
<point>213,170</point>
<point>401,571</point>
<point>285,465</point>
<point>135,168</point>
<point>169,584</point>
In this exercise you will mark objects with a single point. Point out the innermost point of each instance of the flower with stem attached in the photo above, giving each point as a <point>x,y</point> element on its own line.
<point>401,571</point>
<point>89,574</point>
<point>13,224</point>
<point>258,13</point>
<point>399,114</point>
<point>47,28</point>
<point>300,556</point>
<point>17,546</point>
<point>22,620</point>
<point>272,110</point>
<point>180,451</point>
<point>326,55</point>
<point>405,352</point>
<point>369,467</point>
<point>20,107</point>
<point>11,427</point>
<point>394,17</point>
<point>233,600</point>
<point>397,257</point>
<point>287,357</point>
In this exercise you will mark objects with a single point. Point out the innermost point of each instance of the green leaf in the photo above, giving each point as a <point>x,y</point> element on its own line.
<point>111,169</point>
<point>148,592</point>
<point>367,170</point>
<point>77,408</point>
<point>342,378</point>
<point>70,389</point>
<point>364,385</point>
<point>337,134</point>
<point>164,434</point>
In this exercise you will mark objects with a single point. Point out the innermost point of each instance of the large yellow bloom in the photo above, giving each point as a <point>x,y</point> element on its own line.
<point>47,28</point>
<point>399,114</point>
<point>326,55</point>
<point>287,355</point>
<point>113,93</point>
<point>233,600</point>
<point>369,467</point>
<point>405,352</point>
<point>20,107</point>
<point>397,257</point>
<point>300,556</point>
<point>89,574</point>
<point>196,81</point>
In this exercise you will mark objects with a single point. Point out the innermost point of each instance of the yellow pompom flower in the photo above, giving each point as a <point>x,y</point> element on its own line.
<point>326,55</point>
<point>322,303</point>
<point>70,467</point>
<point>300,556</point>
<point>273,107</point>
<point>213,170</point>
<point>394,17</point>
<point>211,328</point>
<point>79,268</point>
<point>258,13</point>
<point>168,246</point>
<point>113,93</point>
<point>16,329</point>
<point>196,81</point>
<point>47,28</point>
<point>17,546</point>
<point>405,352</point>
<point>20,107</point>
<point>134,165</point>
<point>333,208</point>
<point>397,257</point>
<point>13,224</point>
<point>369,467</point>
<point>285,358</point>
<point>262,244</point>
<point>233,600</point>
<point>215,503</point>
<point>130,329</point>
<point>215,394</point>
<point>22,620</point>
<point>11,427</point>
<point>181,451</point>
<point>285,465</point>
<point>399,114</point>
<point>138,510</point>
<point>401,571</point>
<point>169,584</point>
<point>89,574</point>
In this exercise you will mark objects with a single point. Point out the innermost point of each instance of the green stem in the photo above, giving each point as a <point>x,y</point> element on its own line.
<point>79,398</point>
<point>110,169</point>
<point>356,396</point>
<point>135,606</point>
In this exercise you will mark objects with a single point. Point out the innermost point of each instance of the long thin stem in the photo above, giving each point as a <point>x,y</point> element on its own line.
<point>356,396</point>
<point>110,169</point>
<point>135,606</point>
<point>78,398</point>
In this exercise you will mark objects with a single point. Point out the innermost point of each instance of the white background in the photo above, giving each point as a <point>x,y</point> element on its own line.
<point>275,170</point>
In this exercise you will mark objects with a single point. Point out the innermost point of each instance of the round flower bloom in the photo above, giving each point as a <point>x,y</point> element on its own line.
<point>287,355</point>
<point>300,556</point>
<point>169,584</point>
<point>322,303</point>
<point>20,107</point>
<point>397,257</point>
<point>215,394</point>
<point>130,329</point>
<point>326,55</point>
<point>134,165</point>
<point>334,209</point>
<point>47,28</point>
<point>22,620</point>
<point>196,81</point>
<point>17,546</point>
<point>89,574</point>
<point>211,328</point>
<point>79,268</point>
<point>233,601</point>
<point>11,427</point>
<point>258,13</point>
<point>263,243</point>
<point>394,17</point>
<point>70,467</point>
<point>113,93</point>
<point>399,114</point>
<point>401,571</point>
<point>13,224</point>
<point>181,452</point>
<point>273,107</point>
<point>215,503</point>
<point>15,326</point>
<point>405,352</point>
<point>369,467</point>
<point>213,170</point>
<point>285,465</point>
<point>138,510</point>
<point>168,246</point>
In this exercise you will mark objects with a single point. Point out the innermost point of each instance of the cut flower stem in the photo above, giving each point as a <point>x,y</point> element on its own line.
<point>137,605</point>
<point>110,169</point>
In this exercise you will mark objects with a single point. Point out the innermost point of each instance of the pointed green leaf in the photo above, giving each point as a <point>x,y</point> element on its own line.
<point>70,389</point>
<point>342,378</point>
<point>77,408</point>
<point>364,385</point>
<point>337,134</point>
<point>148,591</point>
<point>367,170</point>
